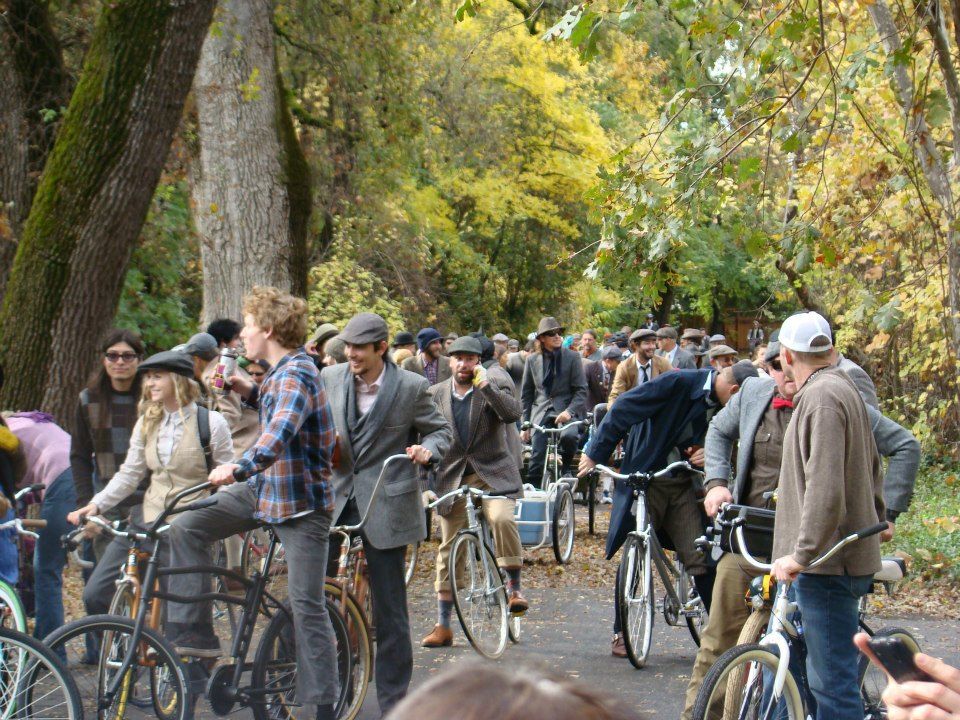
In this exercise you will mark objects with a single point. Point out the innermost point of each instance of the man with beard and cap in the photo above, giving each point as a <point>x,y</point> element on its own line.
<point>722,356</point>
<point>755,420</point>
<point>499,374</point>
<point>643,366</point>
<point>428,362</point>
<point>315,343</point>
<point>668,349</point>
<point>662,421</point>
<point>553,390</point>
<point>482,410</point>
<point>378,410</point>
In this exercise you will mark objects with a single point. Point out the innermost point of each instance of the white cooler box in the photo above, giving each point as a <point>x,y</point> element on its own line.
<point>534,506</point>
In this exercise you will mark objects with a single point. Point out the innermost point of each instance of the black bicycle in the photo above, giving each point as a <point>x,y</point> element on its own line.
<point>137,663</point>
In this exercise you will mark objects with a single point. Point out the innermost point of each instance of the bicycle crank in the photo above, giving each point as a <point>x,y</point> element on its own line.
<point>220,692</point>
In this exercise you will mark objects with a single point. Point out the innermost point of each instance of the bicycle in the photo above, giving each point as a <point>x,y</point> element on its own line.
<point>13,614</point>
<point>34,683</point>
<point>641,552</point>
<point>482,598</point>
<point>756,680</point>
<point>551,510</point>
<point>137,662</point>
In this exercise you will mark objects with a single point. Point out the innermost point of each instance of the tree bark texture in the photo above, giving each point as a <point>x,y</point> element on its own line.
<point>248,199</point>
<point>93,197</point>
<point>14,190</point>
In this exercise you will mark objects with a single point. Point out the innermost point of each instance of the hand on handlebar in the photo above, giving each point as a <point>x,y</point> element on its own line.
<point>427,497</point>
<point>716,496</point>
<point>223,474</point>
<point>525,435</point>
<point>76,518</point>
<point>586,465</point>
<point>563,418</point>
<point>786,569</point>
<point>419,454</point>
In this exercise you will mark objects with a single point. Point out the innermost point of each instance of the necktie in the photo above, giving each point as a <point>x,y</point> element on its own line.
<point>643,369</point>
<point>780,403</point>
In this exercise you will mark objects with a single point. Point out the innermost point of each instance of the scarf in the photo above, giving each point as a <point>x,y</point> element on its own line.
<point>551,369</point>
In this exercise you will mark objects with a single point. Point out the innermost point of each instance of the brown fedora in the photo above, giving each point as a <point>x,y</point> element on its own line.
<point>549,324</point>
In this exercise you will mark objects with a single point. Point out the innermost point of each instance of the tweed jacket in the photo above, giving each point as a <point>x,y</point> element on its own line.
<point>597,389</point>
<point>860,379</point>
<point>627,372</point>
<point>402,415</point>
<point>682,360</point>
<point>494,412</point>
<point>415,364</point>
<point>569,390</point>
<point>513,431</point>
<point>740,419</point>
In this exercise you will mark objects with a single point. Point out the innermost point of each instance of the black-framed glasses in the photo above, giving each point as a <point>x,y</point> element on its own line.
<point>550,333</point>
<point>775,365</point>
<point>113,357</point>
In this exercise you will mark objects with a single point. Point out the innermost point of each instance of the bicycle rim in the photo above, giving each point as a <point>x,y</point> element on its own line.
<point>94,671</point>
<point>12,614</point>
<point>413,552</point>
<point>873,681</point>
<point>636,600</point>
<point>563,525</point>
<point>361,649</point>
<point>479,595</point>
<point>33,682</point>
<point>739,686</point>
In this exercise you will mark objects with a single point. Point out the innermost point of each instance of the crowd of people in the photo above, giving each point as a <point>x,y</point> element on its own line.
<point>297,435</point>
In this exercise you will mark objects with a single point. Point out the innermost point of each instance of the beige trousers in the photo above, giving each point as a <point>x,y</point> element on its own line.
<point>499,514</point>
<point>728,613</point>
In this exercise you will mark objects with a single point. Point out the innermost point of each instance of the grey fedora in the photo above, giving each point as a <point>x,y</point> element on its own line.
<point>549,324</point>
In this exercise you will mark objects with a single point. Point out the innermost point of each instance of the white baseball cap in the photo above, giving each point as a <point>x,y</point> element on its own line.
<point>806,332</point>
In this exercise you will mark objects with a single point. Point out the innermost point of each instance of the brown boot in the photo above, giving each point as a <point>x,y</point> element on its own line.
<point>440,637</point>
<point>518,603</point>
<point>617,648</point>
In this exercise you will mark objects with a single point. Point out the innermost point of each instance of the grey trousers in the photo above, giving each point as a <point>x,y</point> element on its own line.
<point>305,539</point>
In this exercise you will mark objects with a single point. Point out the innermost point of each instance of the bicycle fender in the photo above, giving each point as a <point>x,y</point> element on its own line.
<point>783,667</point>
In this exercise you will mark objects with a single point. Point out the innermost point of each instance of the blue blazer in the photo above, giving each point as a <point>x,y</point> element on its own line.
<point>668,412</point>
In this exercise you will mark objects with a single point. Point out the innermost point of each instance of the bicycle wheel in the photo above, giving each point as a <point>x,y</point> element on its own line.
<point>635,590</point>
<point>154,657</point>
<point>513,628</point>
<point>413,551</point>
<point>562,527</point>
<point>747,694</point>
<point>34,683</point>
<point>479,595</point>
<point>696,616</point>
<point>873,681</point>
<point>361,648</point>
<point>274,675</point>
<point>122,604</point>
<point>12,614</point>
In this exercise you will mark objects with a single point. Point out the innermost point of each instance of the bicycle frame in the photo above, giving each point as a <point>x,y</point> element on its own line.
<point>476,524</point>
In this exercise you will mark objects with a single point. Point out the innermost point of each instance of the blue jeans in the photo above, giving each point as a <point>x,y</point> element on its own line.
<point>49,556</point>
<point>828,605</point>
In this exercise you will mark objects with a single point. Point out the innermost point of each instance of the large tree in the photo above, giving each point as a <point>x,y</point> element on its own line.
<point>251,185</point>
<point>93,196</point>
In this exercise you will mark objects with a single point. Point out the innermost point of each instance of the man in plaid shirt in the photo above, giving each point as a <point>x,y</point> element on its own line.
<point>287,484</point>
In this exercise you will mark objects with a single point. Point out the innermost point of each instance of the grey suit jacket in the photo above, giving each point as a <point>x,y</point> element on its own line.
<point>741,417</point>
<point>415,364</point>
<point>862,381</point>
<point>682,360</point>
<point>569,390</point>
<point>403,415</point>
<point>494,412</point>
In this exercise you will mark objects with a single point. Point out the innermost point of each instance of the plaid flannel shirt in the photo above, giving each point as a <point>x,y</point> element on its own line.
<point>289,464</point>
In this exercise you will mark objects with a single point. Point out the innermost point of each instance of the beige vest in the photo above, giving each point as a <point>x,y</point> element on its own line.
<point>187,467</point>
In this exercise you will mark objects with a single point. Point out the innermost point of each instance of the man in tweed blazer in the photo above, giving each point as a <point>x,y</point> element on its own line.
<point>481,409</point>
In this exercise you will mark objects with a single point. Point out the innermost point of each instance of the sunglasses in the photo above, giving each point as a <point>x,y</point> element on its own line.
<point>550,333</point>
<point>775,365</point>
<point>117,356</point>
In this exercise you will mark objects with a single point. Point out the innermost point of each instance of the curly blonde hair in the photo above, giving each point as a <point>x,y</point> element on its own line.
<point>283,313</point>
<point>185,390</point>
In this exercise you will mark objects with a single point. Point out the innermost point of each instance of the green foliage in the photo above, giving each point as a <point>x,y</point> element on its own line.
<point>162,294</point>
<point>929,532</point>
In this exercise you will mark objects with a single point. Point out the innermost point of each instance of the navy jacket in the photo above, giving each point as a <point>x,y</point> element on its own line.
<point>668,412</point>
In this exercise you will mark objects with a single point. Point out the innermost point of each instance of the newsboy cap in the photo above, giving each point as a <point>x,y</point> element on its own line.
<point>691,334</point>
<point>718,338</point>
<point>202,345</point>
<point>170,361</point>
<point>465,344</point>
<point>773,351</point>
<point>743,370</point>
<point>500,338</point>
<point>611,352</point>
<point>643,334</point>
<point>548,324</point>
<point>403,338</point>
<point>667,332</point>
<point>324,332</point>
<point>721,350</point>
<point>364,328</point>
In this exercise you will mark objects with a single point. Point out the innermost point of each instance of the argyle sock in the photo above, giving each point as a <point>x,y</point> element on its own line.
<point>444,611</point>
<point>514,582</point>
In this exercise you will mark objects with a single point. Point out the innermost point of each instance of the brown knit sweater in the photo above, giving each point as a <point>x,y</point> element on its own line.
<point>831,478</point>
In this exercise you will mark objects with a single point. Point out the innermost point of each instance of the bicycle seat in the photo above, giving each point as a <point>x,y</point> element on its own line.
<point>893,570</point>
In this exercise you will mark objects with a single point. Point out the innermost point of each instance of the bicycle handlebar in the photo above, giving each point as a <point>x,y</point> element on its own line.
<point>22,492</point>
<point>638,476</point>
<point>23,525</point>
<point>766,567</point>
<point>558,429</point>
<point>465,490</point>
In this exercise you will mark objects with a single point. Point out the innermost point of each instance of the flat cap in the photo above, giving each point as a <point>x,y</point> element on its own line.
<point>667,332</point>
<point>773,351</point>
<point>721,350</point>
<point>465,344</point>
<point>169,360</point>
<point>500,337</point>
<point>513,343</point>
<point>691,334</point>
<point>403,338</point>
<point>642,334</point>
<point>743,370</point>
<point>202,345</point>
<point>364,328</point>
<point>611,352</point>
<point>718,338</point>
<point>324,332</point>
<point>451,336</point>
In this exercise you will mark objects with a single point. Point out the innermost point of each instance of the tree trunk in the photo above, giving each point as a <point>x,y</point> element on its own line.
<point>93,196</point>
<point>249,181</point>
<point>14,191</point>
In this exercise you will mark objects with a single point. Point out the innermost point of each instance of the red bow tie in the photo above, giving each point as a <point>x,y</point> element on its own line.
<point>780,403</point>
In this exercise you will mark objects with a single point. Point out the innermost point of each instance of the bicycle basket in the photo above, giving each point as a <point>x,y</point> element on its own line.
<point>757,529</point>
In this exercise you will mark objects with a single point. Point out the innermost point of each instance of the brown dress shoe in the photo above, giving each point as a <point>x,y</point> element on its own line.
<point>518,603</point>
<point>617,648</point>
<point>440,636</point>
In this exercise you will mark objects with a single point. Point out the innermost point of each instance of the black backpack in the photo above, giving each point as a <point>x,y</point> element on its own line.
<point>203,427</point>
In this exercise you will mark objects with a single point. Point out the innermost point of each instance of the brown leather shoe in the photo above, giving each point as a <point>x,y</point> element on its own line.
<point>440,636</point>
<point>617,648</point>
<point>518,603</point>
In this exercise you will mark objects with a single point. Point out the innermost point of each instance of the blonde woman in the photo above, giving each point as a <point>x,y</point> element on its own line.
<point>166,442</point>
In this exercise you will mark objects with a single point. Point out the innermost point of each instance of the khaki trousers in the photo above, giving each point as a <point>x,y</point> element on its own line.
<point>499,514</point>
<point>728,613</point>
